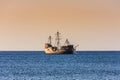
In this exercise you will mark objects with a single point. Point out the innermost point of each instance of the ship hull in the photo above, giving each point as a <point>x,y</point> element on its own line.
<point>59,52</point>
<point>67,52</point>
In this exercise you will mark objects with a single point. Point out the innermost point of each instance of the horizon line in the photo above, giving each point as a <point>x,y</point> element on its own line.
<point>43,51</point>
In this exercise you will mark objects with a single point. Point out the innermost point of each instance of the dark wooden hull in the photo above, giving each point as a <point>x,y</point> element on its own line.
<point>62,52</point>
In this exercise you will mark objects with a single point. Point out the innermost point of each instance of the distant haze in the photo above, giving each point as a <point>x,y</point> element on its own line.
<point>91,24</point>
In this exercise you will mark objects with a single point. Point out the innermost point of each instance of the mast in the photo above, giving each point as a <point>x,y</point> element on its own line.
<point>67,42</point>
<point>58,39</point>
<point>50,40</point>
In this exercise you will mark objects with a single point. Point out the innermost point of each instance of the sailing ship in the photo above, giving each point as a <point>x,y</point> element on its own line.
<point>67,48</point>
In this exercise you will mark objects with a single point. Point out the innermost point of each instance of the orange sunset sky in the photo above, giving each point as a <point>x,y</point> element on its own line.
<point>93,24</point>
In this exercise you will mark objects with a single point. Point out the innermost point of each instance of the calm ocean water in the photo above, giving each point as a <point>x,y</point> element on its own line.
<point>81,66</point>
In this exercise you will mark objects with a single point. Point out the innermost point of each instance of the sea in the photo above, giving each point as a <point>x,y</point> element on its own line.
<point>84,65</point>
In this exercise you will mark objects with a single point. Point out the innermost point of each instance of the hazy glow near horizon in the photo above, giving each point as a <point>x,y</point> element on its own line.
<point>93,24</point>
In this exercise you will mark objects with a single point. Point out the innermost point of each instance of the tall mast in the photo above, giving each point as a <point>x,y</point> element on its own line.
<point>58,39</point>
<point>50,40</point>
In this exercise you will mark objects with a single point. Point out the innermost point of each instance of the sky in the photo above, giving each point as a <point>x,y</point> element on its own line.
<point>91,24</point>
